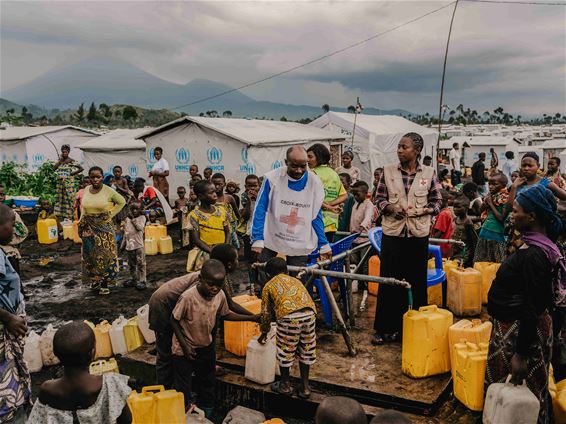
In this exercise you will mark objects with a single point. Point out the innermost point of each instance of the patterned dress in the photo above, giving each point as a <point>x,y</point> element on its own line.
<point>67,187</point>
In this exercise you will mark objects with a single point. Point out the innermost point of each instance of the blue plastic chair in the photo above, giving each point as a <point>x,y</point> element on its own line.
<point>337,247</point>
<point>434,276</point>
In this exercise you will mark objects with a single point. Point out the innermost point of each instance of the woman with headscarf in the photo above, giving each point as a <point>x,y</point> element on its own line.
<point>334,192</point>
<point>407,196</point>
<point>526,289</point>
<point>66,169</point>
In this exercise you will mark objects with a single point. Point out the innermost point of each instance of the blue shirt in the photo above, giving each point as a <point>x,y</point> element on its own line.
<point>262,205</point>
<point>10,294</point>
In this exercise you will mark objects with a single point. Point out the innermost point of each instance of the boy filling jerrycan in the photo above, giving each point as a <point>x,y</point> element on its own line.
<point>374,267</point>
<point>425,349</point>
<point>155,405</point>
<point>488,271</point>
<point>237,335</point>
<point>468,369</point>
<point>47,231</point>
<point>464,292</point>
<point>261,359</point>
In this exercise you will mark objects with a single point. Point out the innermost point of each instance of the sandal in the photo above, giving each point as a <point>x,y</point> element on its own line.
<point>377,340</point>
<point>104,291</point>
<point>276,387</point>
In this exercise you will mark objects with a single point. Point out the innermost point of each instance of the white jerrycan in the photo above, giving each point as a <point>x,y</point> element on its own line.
<point>507,403</point>
<point>261,360</point>
<point>117,338</point>
<point>143,324</point>
<point>32,352</point>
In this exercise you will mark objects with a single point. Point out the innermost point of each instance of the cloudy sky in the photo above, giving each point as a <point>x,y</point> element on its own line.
<point>501,55</point>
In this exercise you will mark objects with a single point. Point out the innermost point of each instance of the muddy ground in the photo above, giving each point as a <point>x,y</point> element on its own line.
<point>51,276</point>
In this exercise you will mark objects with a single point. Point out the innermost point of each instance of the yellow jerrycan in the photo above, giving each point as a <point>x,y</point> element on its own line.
<point>155,231</point>
<point>133,335</point>
<point>237,335</point>
<point>103,366</point>
<point>474,331</point>
<point>425,349</point>
<point>67,230</point>
<point>464,292</point>
<point>165,245</point>
<point>47,231</point>
<point>374,267</point>
<point>558,394</point>
<point>155,405</point>
<point>435,292</point>
<point>488,271</point>
<point>468,368</point>
<point>151,247</point>
<point>102,336</point>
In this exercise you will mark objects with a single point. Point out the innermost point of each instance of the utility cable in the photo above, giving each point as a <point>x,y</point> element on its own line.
<point>318,59</point>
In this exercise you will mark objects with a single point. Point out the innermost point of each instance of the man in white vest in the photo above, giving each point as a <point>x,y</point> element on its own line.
<point>287,217</point>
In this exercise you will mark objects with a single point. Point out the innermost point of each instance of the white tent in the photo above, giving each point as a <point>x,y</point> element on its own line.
<point>32,146</point>
<point>474,145</point>
<point>376,138</point>
<point>116,147</point>
<point>233,147</point>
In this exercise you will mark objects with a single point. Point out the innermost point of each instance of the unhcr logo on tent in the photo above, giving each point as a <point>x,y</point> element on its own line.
<point>133,170</point>
<point>38,158</point>
<point>214,156</point>
<point>247,168</point>
<point>183,156</point>
<point>244,154</point>
<point>15,157</point>
<point>4,157</point>
<point>276,164</point>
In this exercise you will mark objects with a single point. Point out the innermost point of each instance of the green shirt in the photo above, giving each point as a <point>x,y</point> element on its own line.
<point>333,189</point>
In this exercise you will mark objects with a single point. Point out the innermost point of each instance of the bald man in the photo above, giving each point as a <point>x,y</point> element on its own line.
<point>288,217</point>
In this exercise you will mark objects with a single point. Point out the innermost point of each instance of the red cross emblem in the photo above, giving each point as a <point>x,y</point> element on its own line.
<point>292,220</point>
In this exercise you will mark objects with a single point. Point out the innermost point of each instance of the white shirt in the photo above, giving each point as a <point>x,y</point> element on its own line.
<point>455,157</point>
<point>160,166</point>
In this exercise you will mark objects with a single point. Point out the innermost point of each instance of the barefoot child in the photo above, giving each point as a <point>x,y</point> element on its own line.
<point>209,225</point>
<point>79,396</point>
<point>133,242</point>
<point>193,321</point>
<point>228,203</point>
<point>444,225</point>
<point>286,301</point>
<point>182,212</point>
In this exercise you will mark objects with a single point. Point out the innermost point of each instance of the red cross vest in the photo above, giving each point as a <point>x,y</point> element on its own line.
<point>288,223</point>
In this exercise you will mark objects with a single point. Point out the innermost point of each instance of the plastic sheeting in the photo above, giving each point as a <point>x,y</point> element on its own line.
<point>133,162</point>
<point>191,143</point>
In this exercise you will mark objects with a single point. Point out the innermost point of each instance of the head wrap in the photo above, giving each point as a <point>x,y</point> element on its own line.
<point>531,155</point>
<point>541,201</point>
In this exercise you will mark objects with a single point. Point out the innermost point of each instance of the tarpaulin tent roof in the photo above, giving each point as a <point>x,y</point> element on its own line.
<point>376,124</point>
<point>554,143</point>
<point>121,139</point>
<point>21,133</point>
<point>254,132</point>
<point>480,140</point>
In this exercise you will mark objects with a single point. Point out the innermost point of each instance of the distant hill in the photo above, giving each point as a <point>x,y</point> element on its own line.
<point>113,81</point>
<point>36,111</point>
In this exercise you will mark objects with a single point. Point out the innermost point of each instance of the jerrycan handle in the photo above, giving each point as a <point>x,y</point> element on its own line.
<point>428,309</point>
<point>476,322</point>
<point>157,388</point>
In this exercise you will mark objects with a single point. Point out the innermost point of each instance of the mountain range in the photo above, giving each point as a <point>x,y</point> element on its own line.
<point>114,81</point>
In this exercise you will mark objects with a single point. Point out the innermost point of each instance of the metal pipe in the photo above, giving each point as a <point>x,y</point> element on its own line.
<point>338,315</point>
<point>351,314</point>
<point>344,275</point>
<point>444,241</point>
<point>341,255</point>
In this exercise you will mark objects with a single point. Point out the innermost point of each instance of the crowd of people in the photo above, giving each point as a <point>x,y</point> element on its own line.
<point>513,216</point>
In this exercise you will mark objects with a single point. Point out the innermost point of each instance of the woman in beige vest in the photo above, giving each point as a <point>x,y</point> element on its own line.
<point>407,196</point>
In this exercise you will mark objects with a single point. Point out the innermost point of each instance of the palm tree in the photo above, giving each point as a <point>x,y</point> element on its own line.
<point>326,108</point>
<point>351,109</point>
<point>227,114</point>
